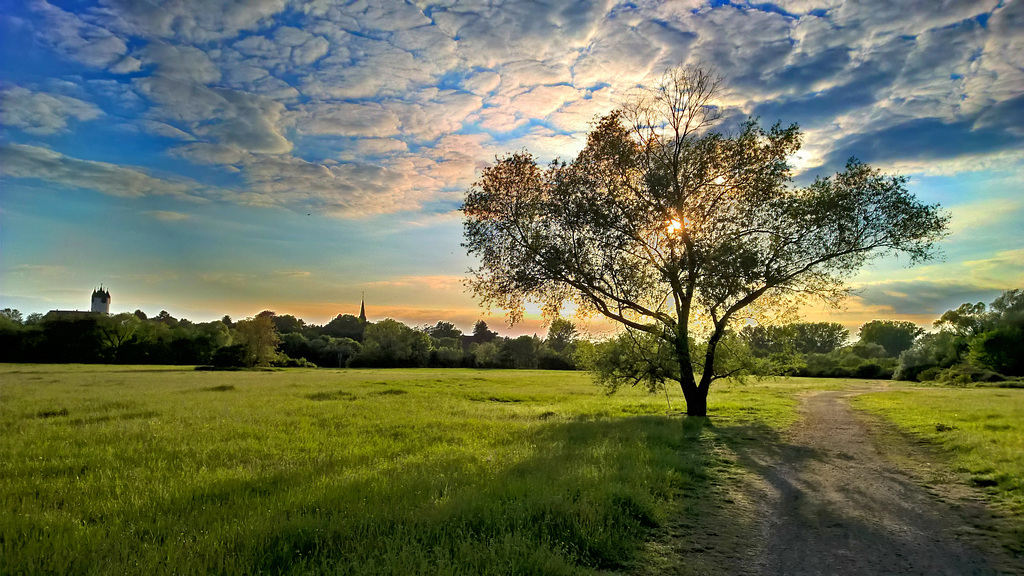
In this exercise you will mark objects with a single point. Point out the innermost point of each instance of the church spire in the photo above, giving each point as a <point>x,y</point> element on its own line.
<point>362,308</point>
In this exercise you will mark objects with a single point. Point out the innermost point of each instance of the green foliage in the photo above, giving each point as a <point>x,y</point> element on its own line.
<point>894,336</point>
<point>633,358</point>
<point>973,344</point>
<point>10,315</point>
<point>391,344</point>
<point>795,338</point>
<point>939,350</point>
<point>150,470</point>
<point>561,334</point>
<point>444,330</point>
<point>345,326</point>
<point>671,228</point>
<point>482,334</point>
<point>258,338</point>
<point>1001,350</point>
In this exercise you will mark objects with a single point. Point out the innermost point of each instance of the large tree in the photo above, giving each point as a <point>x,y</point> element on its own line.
<point>675,230</point>
<point>259,339</point>
<point>893,335</point>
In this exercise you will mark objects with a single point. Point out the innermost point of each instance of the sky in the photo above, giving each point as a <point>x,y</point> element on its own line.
<point>211,157</point>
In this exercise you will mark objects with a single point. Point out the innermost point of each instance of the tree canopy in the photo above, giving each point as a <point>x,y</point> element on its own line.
<point>676,230</point>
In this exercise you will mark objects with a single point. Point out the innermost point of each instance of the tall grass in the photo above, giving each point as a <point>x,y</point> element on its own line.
<point>148,470</point>
<point>981,430</point>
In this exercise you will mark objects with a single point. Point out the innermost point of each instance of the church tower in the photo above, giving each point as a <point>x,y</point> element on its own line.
<point>101,300</point>
<point>362,309</point>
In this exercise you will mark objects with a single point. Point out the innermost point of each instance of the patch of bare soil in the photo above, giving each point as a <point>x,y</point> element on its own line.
<point>833,503</point>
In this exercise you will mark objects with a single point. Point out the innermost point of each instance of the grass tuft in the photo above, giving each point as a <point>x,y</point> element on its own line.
<point>331,395</point>
<point>52,413</point>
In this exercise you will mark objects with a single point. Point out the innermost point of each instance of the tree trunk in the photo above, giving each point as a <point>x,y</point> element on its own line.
<point>696,396</point>
<point>696,401</point>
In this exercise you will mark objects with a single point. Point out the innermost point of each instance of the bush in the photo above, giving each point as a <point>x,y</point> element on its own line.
<point>964,374</point>
<point>872,371</point>
<point>285,361</point>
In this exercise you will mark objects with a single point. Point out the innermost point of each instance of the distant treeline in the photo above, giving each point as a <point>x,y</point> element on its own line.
<point>972,343</point>
<point>269,339</point>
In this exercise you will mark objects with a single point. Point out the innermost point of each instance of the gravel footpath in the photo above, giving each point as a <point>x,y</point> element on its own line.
<point>833,504</point>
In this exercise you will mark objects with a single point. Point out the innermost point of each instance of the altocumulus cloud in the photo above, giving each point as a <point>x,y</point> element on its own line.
<point>43,112</point>
<point>356,109</point>
<point>22,161</point>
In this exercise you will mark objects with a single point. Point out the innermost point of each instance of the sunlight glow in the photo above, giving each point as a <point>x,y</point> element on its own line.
<point>674,226</point>
<point>720,180</point>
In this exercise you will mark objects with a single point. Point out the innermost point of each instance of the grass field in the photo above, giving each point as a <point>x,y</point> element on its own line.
<point>160,470</point>
<point>979,430</point>
<point>149,470</point>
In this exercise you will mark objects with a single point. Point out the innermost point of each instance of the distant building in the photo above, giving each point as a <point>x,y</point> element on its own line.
<point>362,309</point>
<point>100,305</point>
<point>101,300</point>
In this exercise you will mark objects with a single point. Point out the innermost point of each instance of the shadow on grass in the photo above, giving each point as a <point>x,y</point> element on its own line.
<point>635,494</point>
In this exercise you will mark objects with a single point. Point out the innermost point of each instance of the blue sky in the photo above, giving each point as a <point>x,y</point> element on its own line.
<point>211,157</point>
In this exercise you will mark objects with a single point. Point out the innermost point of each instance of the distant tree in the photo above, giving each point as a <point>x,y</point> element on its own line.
<point>818,337</point>
<point>1008,308</point>
<point>972,340</point>
<point>140,315</point>
<point>345,326</point>
<point>768,340</point>
<point>227,321</point>
<point>522,351</point>
<point>117,330</point>
<point>33,319</point>
<point>71,340</point>
<point>561,334</point>
<point>487,355</point>
<point>12,315</point>
<point>335,352</point>
<point>481,334</point>
<point>164,317</point>
<point>12,340</point>
<point>967,320</point>
<point>1001,350</point>
<point>229,356</point>
<point>286,323</point>
<point>259,340</point>
<point>893,335</point>
<point>391,344</point>
<point>443,330</point>
<point>673,230</point>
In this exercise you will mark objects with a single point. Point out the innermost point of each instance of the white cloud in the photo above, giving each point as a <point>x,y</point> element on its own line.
<point>347,119</point>
<point>193,21</point>
<point>23,161</point>
<point>165,130</point>
<point>87,43</point>
<point>43,112</point>
<point>168,215</point>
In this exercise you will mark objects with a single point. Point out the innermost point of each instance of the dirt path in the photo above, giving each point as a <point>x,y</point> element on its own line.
<point>833,504</point>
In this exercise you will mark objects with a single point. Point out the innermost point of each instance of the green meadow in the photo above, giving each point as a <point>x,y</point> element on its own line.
<point>114,470</point>
<point>160,470</point>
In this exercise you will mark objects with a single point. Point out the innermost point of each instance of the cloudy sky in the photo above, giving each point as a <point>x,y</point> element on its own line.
<point>211,157</point>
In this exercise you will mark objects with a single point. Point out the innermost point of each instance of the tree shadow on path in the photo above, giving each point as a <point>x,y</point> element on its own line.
<point>832,504</point>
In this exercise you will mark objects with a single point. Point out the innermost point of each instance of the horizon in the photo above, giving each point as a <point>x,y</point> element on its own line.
<point>207,158</point>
